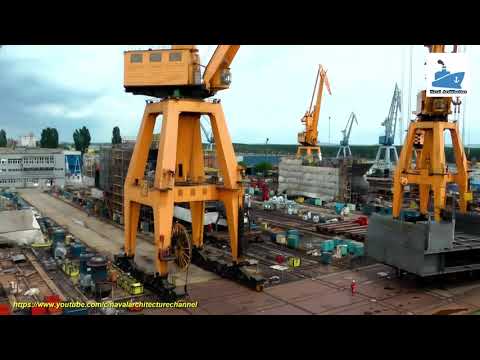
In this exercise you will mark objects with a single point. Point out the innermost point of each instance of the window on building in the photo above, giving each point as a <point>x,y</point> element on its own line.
<point>175,56</point>
<point>136,58</point>
<point>155,57</point>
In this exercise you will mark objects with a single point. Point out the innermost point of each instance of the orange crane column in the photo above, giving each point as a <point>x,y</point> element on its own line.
<point>430,172</point>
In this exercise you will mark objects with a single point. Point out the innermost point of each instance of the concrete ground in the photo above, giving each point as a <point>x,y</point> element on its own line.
<point>379,292</point>
<point>330,294</point>
<point>102,237</point>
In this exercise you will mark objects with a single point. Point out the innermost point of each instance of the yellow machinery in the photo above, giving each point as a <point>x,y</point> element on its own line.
<point>70,269</point>
<point>176,72</point>
<point>308,139</point>
<point>174,76</point>
<point>426,137</point>
<point>129,284</point>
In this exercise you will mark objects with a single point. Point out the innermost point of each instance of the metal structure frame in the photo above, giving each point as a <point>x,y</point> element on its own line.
<point>308,139</point>
<point>451,243</point>
<point>180,176</point>
<point>426,136</point>
<point>344,148</point>
<point>425,248</point>
<point>383,160</point>
<point>173,75</point>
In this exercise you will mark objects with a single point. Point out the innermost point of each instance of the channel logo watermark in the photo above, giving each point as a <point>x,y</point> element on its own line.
<point>447,75</point>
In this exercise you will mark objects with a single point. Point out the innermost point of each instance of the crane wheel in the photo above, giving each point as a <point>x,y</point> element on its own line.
<point>183,246</point>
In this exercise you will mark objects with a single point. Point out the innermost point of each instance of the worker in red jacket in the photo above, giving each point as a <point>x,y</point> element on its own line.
<point>353,286</point>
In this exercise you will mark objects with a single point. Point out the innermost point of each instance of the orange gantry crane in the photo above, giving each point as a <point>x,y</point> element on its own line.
<point>308,139</point>
<point>413,243</point>
<point>174,76</point>
<point>426,137</point>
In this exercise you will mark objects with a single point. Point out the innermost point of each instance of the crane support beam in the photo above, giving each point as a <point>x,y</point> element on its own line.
<point>217,75</point>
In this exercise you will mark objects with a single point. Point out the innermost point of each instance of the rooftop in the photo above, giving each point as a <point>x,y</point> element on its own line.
<point>24,150</point>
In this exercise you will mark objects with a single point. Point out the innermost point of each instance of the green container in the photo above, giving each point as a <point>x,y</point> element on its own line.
<point>337,242</point>
<point>318,202</point>
<point>293,232</point>
<point>343,249</point>
<point>352,247</point>
<point>293,241</point>
<point>328,245</point>
<point>360,250</point>
<point>356,248</point>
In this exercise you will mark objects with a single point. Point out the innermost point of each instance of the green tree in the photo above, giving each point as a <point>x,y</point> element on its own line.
<point>263,167</point>
<point>81,138</point>
<point>116,138</point>
<point>49,138</point>
<point>3,138</point>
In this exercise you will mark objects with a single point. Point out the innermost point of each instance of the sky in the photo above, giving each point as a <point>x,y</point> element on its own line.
<point>68,87</point>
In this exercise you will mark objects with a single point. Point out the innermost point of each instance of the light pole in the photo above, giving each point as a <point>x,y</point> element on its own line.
<point>329,121</point>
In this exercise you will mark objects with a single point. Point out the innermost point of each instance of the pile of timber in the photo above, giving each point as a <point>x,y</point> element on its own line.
<point>350,228</point>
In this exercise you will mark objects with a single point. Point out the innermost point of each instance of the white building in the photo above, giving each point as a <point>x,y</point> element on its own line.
<point>28,140</point>
<point>23,167</point>
<point>26,167</point>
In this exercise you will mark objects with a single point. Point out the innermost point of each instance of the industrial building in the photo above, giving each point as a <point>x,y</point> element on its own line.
<point>22,167</point>
<point>31,167</point>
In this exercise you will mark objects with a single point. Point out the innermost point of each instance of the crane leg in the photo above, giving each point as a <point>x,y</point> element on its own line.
<point>135,174</point>
<point>424,198</point>
<point>401,172</point>
<point>231,203</point>
<point>439,199</point>
<point>462,167</point>
<point>197,209</point>
<point>229,169</point>
<point>163,220</point>
<point>131,218</point>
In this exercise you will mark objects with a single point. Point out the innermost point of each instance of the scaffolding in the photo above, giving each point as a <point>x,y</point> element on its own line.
<point>120,161</point>
<point>114,162</point>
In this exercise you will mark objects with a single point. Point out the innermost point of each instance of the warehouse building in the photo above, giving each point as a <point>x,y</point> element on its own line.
<point>31,167</point>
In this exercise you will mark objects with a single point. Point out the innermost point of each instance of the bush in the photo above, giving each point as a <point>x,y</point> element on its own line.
<point>263,167</point>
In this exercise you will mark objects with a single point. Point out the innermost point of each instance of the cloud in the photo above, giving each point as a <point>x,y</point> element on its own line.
<point>68,87</point>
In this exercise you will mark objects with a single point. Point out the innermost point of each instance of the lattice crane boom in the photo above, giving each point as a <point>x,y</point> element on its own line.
<point>390,122</point>
<point>348,129</point>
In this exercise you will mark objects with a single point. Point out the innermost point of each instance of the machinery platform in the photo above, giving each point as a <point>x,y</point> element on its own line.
<point>424,248</point>
<point>156,284</point>
<point>241,272</point>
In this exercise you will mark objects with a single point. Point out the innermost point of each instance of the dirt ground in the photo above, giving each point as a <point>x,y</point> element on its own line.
<point>104,238</point>
<point>378,290</point>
